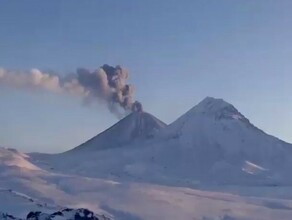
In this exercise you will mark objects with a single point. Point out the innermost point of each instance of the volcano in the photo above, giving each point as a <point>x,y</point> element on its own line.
<point>212,142</point>
<point>137,126</point>
<point>142,162</point>
<point>216,141</point>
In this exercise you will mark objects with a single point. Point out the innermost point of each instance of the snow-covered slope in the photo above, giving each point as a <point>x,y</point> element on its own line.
<point>25,187</point>
<point>25,207</point>
<point>220,142</point>
<point>15,160</point>
<point>140,201</point>
<point>211,143</point>
<point>182,171</point>
<point>137,126</point>
<point>66,214</point>
<point>19,204</point>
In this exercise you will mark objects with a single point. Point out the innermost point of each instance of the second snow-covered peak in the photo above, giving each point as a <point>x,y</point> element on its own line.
<point>217,108</point>
<point>209,111</point>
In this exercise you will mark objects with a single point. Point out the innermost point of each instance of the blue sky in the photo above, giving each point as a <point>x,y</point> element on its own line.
<point>177,52</point>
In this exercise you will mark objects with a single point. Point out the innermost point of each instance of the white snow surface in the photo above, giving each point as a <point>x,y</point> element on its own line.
<point>210,164</point>
<point>15,159</point>
<point>210,143</point>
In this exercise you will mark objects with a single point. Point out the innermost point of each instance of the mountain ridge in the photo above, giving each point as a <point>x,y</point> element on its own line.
<point>213,141</point>
<point>135,126</point>
<point>164,173</point>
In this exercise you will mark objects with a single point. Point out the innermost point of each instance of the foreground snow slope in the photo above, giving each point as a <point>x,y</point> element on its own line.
<point>48,191</point>
<point>19,204</point>
<point>15,160</point>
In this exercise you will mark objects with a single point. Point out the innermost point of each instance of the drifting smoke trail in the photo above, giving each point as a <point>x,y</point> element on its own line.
<point>107,84</point>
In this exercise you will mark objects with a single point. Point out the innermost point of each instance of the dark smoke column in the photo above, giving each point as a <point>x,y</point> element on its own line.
<point>137,107</point>
<point>110,84</point>
<point>123,93</point>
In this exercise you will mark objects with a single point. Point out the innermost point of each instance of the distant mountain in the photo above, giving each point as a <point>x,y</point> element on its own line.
<point>213,142</point>
<point>142,169</point>
<point>137,126</point>
<point>220,143</point>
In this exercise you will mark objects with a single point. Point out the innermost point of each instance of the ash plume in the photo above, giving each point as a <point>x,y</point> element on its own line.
<point>107,85</point>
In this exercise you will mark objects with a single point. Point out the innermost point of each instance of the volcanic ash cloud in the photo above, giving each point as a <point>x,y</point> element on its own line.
<point>107,84</point>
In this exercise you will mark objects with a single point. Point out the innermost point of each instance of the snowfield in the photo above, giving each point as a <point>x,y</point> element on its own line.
<point>210,164</point>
